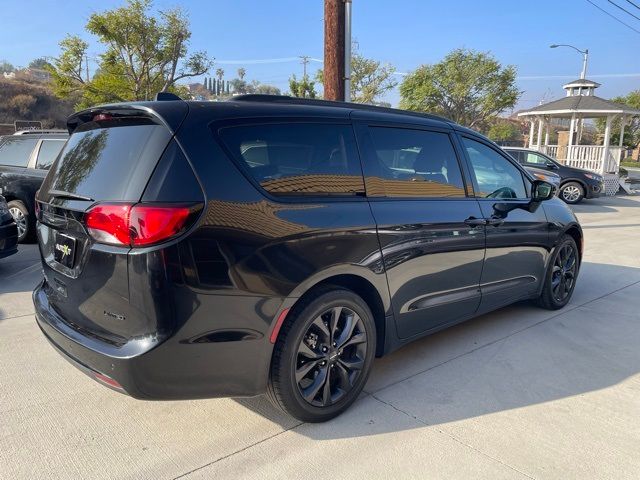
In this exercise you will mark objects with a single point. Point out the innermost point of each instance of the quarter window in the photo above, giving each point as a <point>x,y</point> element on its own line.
<point>415,163</point>
<point>298,158</point>
<point>49,150</point>
<point>496,177</point>
<point>16,150</point>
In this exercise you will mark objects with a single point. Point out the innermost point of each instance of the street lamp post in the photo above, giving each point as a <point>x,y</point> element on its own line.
<point>585,57</point>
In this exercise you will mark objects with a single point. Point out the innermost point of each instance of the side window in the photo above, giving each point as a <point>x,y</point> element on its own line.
<point>49,150</point>
<point>496,177</point>
<point>534,158</point>
<point>16,150</point>
<point>415,163</point>
<point>517,154</point>
<point>298,158</point>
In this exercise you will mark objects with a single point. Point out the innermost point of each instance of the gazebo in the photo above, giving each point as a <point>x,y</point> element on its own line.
<point>579,104</point>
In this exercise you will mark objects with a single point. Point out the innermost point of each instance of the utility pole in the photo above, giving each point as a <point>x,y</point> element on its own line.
<point>334,50</point>
<point>304,59</point>
<point>86,63</point>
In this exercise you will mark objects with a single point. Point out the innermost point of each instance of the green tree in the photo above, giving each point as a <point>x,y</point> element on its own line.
<point>467,87</point>
<point>145,54</point>
<point>239,86</point>
<point>304,87</point>
<point>631,129</point>
<point>370,79</point>
<point>6,67</point>
<point>502,130</point>
<point>40,63</point>
<point>241,73</point>
<point>265,89</point>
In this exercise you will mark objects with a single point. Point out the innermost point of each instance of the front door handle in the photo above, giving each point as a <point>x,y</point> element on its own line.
<point>495,221</point>
<point>474,222</point>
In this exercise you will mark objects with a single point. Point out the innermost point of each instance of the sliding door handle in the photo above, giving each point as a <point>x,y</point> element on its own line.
<point>474,222</point>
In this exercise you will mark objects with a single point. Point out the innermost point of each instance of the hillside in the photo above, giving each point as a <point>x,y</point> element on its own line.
<point>22,99</point>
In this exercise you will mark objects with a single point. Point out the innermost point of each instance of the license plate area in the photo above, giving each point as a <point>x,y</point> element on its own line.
<point>64,250</point>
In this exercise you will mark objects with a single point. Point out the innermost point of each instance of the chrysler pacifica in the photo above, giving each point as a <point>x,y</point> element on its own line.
<point>277,245</point>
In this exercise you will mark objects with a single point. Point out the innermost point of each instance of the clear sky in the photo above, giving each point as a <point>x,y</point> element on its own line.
<point>406,33</point>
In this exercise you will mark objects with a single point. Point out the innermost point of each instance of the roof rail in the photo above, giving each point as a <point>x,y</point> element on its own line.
<point>34,131</point>
<point>284,99</point>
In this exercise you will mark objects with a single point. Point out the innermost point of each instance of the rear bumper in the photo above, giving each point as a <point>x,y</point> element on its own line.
<point>8,240</point>
<point>161,369</point>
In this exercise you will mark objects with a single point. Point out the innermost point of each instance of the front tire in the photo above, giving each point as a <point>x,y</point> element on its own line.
<point>21,216</point>
<point>560,279</point>
<point>323,356</point>
<point>572,193</point>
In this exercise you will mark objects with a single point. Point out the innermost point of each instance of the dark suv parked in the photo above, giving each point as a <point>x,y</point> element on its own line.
<point>575,183</point>
<point>268,244</point>
<point>25,159</point>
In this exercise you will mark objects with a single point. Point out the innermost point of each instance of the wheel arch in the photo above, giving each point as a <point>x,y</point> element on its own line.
<point>564,181</point>
<point>376,298</point>
<point>575,232</point>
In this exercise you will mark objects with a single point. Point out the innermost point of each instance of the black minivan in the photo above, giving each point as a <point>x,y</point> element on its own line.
<point>277,245</point>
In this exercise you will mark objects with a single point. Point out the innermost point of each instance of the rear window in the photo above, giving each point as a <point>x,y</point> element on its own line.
<point>49,150</point>
<point>15,151</point>
<point>108,163</point>
<point>298,158</point>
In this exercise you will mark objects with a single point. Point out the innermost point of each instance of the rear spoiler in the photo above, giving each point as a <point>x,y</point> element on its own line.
<point>168,113</point>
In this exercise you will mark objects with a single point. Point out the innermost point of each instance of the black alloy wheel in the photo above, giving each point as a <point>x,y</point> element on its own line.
<point>331,356</point>
<point>561,276</point>
<point>323,355</point>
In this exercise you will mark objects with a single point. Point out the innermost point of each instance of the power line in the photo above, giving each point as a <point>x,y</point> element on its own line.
<point>602,75</point>
<point>634,4</point>
<point>623,9</point>
<point>613,16</point>
<point>265,61</point>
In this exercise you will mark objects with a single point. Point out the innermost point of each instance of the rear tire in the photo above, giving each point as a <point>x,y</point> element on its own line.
<point>23,220</point>
<point>323,356</point>
<point>572,193</point>
<point>561,276</point>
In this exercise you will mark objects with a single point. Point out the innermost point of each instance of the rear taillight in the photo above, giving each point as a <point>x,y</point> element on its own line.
<point>138,225</point>
<point>150,224</point>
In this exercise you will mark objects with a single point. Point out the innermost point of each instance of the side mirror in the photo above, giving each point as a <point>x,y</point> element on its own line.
<point>552,166</point>
<point>541,191</point>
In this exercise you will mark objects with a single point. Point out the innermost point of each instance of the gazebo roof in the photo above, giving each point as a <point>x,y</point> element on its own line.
<point>581,82</point>
<point>589,105</point>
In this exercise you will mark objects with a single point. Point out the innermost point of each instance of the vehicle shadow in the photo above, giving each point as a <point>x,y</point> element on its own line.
<point>512,358</point>
<point>20,272</point>
<point>606,204</point>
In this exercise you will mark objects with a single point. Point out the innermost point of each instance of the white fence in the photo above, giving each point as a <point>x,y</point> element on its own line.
<point>588,157</point>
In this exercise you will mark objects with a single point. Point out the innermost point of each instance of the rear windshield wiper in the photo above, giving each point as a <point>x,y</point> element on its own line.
<point>69,195</point>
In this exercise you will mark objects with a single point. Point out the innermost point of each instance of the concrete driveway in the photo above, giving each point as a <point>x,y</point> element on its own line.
<point>519,393</point>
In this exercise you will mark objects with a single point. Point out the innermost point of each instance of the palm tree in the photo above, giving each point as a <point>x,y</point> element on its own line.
<point>241,73</point>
